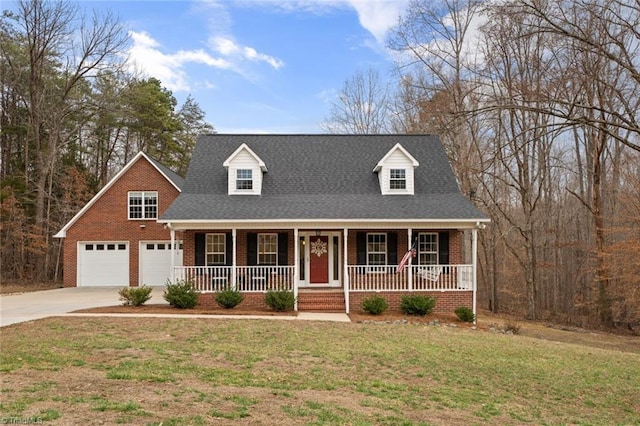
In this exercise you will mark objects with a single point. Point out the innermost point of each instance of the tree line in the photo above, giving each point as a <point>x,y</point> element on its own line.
<point>72,116</point>
<point>538,104</point>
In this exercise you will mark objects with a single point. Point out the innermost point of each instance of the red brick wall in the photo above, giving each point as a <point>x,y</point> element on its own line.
<point>446,302</point>
<point>108,219</point>
<point>189,253</point>
<point>251,300</point>
<point>455,243</point>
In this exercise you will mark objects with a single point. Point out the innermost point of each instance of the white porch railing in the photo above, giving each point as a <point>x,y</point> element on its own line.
<point>256,279</point>
<point>412,278</point>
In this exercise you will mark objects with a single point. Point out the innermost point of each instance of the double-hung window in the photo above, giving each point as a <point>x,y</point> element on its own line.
<point>267,249</point>
<point>376,249</point>
<point>244,179</point>
<point>216,249</point>
<point>143,205</point>
<point>397,179</point>
<point>428,248</point>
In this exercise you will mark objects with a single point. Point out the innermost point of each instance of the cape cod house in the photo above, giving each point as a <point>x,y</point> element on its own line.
<point>329,217</point>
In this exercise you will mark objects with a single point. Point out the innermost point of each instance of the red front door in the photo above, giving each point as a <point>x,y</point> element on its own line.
<point>319,260</point>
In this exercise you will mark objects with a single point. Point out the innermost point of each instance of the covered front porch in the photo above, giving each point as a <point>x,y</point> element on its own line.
<point>323,263</point>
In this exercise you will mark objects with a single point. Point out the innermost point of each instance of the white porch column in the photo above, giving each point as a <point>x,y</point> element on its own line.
<point>173,253</point>
<point>345,274</point>
<point>410,263</point>
<point>234,246</point>
<point>474,262</point>
<point>296,266</point>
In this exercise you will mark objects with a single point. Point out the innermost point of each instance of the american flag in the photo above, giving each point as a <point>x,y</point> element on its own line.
<point>407,257</point>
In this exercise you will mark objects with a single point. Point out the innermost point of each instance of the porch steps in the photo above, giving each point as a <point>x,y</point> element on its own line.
<point>321,301</point>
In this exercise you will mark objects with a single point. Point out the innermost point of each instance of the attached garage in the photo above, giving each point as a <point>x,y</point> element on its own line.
<point>155,261</point>
<point>103,264</point>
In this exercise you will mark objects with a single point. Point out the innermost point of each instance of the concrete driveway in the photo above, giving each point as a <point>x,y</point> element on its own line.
<point>15,308</point>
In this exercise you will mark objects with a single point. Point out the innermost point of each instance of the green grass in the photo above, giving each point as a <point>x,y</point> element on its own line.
<point>191,371</point>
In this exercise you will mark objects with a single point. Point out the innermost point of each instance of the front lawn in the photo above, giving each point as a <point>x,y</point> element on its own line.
<point>204,371</point>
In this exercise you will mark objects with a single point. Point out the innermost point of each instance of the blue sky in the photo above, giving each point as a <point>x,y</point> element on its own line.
<point>258,66</point>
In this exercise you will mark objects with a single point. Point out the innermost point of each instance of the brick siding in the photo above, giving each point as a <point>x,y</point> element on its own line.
<point>108,219</point>
<point>446,302</point>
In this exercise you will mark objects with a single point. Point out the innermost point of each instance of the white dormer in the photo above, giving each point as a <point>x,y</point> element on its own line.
<point>244,171</point>
<point>396,171</point>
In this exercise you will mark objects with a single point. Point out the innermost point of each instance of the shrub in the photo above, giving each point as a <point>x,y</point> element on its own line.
<point>229,298</point>
<point>135,296</point>
<point>464,314</point>
<point>280,300</point>
<point>181,294</point>
<point>375,305</point>
<point>417,304</point>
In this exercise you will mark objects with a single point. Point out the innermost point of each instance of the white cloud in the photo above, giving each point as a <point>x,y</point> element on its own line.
<point>146,56</point>
<point>238,53</point>
<point>379,16</point>
<point>375,16</point>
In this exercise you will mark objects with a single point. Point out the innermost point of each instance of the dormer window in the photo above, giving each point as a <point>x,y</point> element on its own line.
<point>397,179</point>
<point>244,179</point>
<point>396,172</point>
<point>245,170</point>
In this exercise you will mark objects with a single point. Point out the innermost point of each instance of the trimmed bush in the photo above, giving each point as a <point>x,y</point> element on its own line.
<point>181,294</point>
<point>375,305</point>
<point>229,298</point>
<point>280,300</point>
<point>135,296</point>
<point>464,314</point>
<point>417,304</point>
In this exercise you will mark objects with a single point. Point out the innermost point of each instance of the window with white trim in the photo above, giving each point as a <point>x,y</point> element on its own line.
<point>397,179</point>
<point>428,248</point>
<point>267,249</point>
<point>143,205</point>
<point>216,252</point>
<point>244,179</point>
<point>376,249</point>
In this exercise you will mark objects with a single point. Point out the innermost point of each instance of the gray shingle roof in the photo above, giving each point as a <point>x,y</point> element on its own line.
<point>170,174</point>
<point>319,177</point>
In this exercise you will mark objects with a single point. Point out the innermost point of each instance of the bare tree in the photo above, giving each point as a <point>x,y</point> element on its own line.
<point>361,106</point>
<point>65,49</point>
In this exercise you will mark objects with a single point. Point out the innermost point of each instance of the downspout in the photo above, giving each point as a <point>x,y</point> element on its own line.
<point>296,267</point>
<point>346,270</point>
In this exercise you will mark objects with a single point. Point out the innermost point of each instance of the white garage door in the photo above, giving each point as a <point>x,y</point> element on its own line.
<point>155,261</point>
<point>103,264</point>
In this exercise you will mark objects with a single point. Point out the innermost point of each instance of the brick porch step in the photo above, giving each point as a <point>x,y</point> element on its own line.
<point>321,301</point>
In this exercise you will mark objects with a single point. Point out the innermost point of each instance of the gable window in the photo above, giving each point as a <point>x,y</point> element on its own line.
<point>216,249</point>
<point>376,249</point>
<point>397,179</point>
<point>244,179</point>
<point>143,205</point>
<point>428,248</point>
<point>267,249</point>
